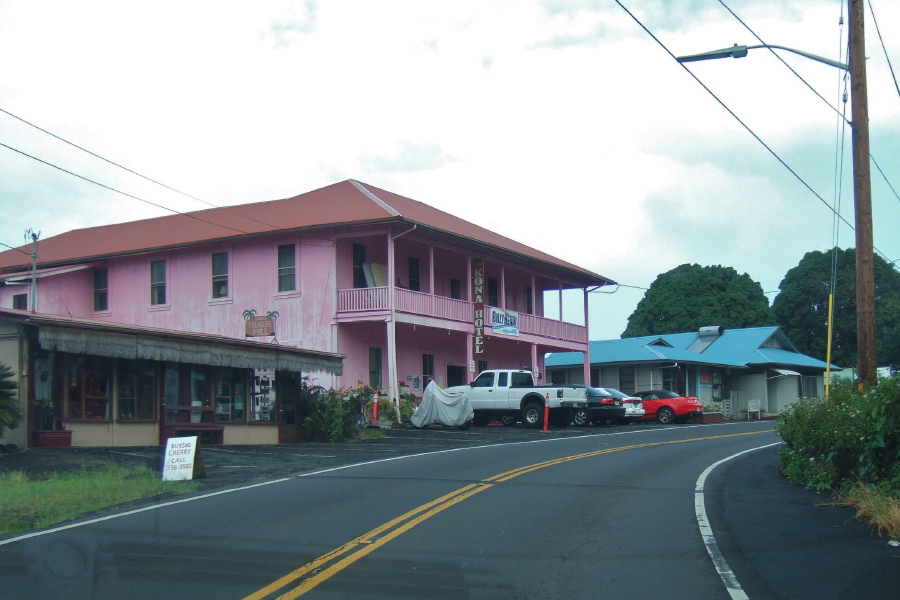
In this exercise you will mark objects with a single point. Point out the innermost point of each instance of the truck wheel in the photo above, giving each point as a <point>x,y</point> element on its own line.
<point>508,420</point>
<point>581,417</point>
<point>533,415</point>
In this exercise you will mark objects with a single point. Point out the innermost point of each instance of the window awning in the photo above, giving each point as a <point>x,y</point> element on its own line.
<point>118,341</point>
<point>787,372</point>
<point>20,278</point>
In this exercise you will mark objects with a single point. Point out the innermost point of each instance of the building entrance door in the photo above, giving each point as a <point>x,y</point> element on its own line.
<point>288,399</point>
<point>456,375</point>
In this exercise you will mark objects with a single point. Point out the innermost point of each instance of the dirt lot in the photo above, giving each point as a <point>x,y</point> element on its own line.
<point>235,465</point>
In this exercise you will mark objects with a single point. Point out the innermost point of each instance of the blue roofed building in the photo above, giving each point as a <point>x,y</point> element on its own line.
<point>727,369</point>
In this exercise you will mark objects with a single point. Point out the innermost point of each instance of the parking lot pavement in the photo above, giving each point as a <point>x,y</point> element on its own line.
<point>237,464</point>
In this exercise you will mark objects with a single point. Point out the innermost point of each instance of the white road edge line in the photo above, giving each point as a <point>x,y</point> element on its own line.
<point>709,539</point>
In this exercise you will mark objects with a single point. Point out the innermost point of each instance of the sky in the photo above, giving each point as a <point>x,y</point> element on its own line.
<point>565,125</point>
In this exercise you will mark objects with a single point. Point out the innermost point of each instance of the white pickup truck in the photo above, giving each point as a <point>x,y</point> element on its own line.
<point>510,395</point>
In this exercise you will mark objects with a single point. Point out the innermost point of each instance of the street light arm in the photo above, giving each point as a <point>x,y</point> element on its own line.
<point>821,59</point>
<point>738,51</point>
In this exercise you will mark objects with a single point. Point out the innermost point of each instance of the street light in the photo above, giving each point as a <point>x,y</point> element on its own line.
<point>862,183</point>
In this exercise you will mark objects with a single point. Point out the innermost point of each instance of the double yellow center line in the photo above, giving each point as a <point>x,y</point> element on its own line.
<point>321,569</point>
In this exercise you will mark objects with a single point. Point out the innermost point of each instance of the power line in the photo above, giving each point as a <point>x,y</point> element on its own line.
<point>115,164</point>
<point>738,119</point>
<point>880,39</point>
<point>776,55</point>
<point>121,192</point>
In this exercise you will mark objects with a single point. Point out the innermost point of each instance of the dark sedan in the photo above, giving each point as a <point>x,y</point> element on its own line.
<point>604,404</point>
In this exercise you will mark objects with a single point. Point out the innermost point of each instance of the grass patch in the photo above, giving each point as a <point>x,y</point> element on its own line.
<point>875,505</point>
<point>35,502</point>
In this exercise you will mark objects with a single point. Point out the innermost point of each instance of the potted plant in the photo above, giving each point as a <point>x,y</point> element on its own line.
<point>49,430</point>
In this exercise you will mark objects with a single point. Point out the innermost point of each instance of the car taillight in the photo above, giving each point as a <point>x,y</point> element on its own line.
<point>610,401</point>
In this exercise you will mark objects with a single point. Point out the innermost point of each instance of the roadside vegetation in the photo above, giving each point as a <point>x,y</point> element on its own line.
<point>41,501</point>
<point>849,445</point>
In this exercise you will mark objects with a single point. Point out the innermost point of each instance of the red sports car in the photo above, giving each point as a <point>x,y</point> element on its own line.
<point>668,407</point>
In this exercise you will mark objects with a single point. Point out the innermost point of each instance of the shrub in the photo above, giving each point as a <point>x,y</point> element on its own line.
<point>852,437</point>
<point>329,418</point>
<point>9,403</point>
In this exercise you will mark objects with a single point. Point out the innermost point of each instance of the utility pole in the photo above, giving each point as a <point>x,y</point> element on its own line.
<point>34,256</point>
<point>862,195</point>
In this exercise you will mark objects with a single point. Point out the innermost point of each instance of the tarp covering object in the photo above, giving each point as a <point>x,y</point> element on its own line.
<point>440,407</point>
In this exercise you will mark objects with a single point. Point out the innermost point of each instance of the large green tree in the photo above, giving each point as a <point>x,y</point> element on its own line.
<point>690,297</point>
<point>801,307</point>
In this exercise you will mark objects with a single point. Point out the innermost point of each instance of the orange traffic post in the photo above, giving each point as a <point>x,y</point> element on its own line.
<point>546,411</point>
<point>375,412</point>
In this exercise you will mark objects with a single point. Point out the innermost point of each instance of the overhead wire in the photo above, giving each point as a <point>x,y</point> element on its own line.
<point>738,119</point>
<point>121,192</point>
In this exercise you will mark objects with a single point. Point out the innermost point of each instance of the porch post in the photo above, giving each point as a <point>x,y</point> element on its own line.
<point>587,350</point>
<point>391,324</point>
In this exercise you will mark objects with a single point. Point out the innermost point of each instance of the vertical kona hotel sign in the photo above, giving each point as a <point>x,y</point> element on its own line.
<point>478,302</point>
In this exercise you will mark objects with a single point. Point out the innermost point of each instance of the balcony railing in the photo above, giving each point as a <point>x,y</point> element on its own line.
<point>375,299</point>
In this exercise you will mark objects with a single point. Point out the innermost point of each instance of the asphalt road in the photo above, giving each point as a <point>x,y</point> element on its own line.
<point>611,517</point>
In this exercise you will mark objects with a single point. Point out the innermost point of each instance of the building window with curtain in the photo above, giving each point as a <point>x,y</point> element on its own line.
<point>287,265</point>
<point>158,282</point>
<point>137,390</point>
<point>493,291</point>
<point>220,275</point>
<point>101,290</point>
<point>427,368</point>
<point>414,283</point>
<point>375,368</point>
<point>20,301</point>
<point>359,259</point>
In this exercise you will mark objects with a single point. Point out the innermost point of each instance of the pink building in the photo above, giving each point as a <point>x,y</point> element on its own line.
<point>402,293</point>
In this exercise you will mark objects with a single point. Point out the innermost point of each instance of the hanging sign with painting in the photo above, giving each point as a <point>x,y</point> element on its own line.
<point>259,326</point>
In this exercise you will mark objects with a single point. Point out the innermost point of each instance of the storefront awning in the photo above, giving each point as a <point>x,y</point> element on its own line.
<point>163,345</point>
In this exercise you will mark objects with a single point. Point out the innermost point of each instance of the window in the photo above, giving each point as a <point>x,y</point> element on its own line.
<point>414,274</point>
<point>136,390</point>
<point>626,380</point>
<point>220,275</point>
<point>522,380</point>
<point>427,368</point>
<point>158,282</point>
<point>809,386</point>
<point>20,301</point>
<point>263,407</point>
<point>287,278</point>
<point>493,292</point>
<point>101,289</point>
<point>231,395</point>
<point>529,301</point>
<point>89,387</point>
<point>375,368</point>
<point>502,379</point>
<point>482,365</point>
<point>359,259</point>
<point>456,289</point>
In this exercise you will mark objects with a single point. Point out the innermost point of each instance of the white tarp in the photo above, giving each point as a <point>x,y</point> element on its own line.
<point>442,407</point>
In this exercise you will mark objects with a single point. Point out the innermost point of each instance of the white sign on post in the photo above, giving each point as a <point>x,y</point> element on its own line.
<point>179,461</point>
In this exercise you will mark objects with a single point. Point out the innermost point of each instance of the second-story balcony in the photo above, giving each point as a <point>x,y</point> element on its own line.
<point>361,302</point>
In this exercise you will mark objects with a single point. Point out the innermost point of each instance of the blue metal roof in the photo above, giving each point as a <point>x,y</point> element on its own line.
<point>738,348</point>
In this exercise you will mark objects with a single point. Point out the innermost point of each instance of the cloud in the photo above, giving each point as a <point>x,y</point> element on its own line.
<point>409,159</point>
<point>285,32</point>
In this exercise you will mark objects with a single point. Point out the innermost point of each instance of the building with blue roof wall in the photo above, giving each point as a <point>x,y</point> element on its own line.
<point>724,368</point>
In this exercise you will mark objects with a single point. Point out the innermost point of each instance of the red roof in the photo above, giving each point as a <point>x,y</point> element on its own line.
<point>346,203</point>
